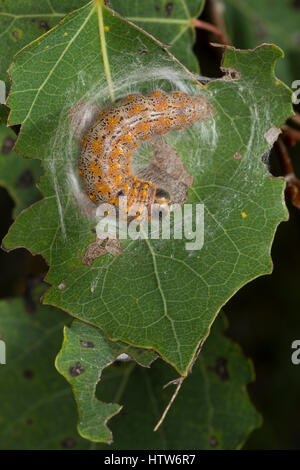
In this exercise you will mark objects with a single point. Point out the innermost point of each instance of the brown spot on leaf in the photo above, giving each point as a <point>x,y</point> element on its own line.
<point>7,145</point>
<point>213,442</point>
<point>68,443</point>
<point>76,370</point>
<point>25,179</point>
<point>29,421</point>
<point>221,368</point>
<point>28,374</point>
<point>87,344</point>
<point>169,8</point>
<point>44,25</point>
<point>16,34</point>
<point>237,156</point>
<point>296,3</point>
<point>230,74</point>
<point>260,30</point>
<point>100,248</point>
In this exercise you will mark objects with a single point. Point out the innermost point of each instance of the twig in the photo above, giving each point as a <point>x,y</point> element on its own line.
<point>292,134</point>
<point>211,28</point>
<point>292,182</point>
<point>179,383</point>
<point>296,119</point>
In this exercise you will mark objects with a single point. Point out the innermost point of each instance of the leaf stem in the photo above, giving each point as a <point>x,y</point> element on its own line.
<point>292,182</point>
<point>211,28</point>
<point>179,383</point>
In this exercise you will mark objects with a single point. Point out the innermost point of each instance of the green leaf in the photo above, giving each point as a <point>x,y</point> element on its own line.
<point>170,22</point>
<point>85,353</point>
<point>18,175</point>
<point>251,23</point>
<point>156,294</point>
<point>211,411</point>
<point>22,21</point>
<point>38,411</point>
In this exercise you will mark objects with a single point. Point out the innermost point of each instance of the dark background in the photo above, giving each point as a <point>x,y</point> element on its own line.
<point>264,316</point>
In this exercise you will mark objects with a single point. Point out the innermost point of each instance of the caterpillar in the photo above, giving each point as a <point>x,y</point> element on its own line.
<point>108,145</point>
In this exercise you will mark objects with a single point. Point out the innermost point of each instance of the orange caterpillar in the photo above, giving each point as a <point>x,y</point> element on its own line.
<point>108,145</point>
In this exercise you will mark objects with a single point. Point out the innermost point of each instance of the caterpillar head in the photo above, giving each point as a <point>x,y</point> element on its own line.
<point>141,197</point>
<point>162,197</point>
